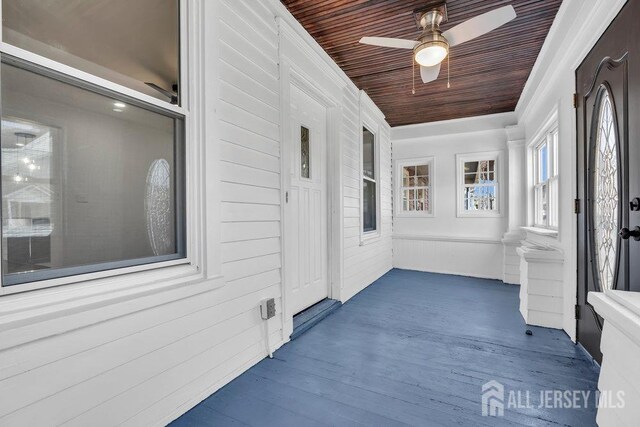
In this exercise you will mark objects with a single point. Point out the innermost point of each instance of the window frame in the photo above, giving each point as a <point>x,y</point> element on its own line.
<point>186,255</point>
<point>461,159</point>
<point>550,137</point>
<point>368,124</point>
<point>400,164</point>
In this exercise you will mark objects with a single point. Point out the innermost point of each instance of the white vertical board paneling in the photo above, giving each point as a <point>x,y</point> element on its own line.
<point>158,359</point>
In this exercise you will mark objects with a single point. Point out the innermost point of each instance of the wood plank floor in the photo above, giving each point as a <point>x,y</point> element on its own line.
<point>412,349</point>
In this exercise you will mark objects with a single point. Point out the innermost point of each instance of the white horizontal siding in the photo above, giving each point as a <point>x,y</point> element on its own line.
<point>364,262</point>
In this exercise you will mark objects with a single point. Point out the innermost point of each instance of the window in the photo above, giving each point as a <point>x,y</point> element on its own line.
<point>478,184</point>
<point>369,181</point>
<point>92,176</point>
<point>545,157</point>
<point>415,187</point>
<point>305,153</point>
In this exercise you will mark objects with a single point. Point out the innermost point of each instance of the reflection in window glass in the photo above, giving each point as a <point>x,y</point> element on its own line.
<point>78,181</point>
<point>369,206</point>
<point>480,186</point>
<point>369,181</point>
<point>415,188</point>
<point>368,153</point>
<point>128,42</point>
<point>546,181</point>
<point>305,155</point>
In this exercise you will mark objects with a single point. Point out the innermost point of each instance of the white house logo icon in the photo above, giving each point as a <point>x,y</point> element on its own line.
<point>492,399</point>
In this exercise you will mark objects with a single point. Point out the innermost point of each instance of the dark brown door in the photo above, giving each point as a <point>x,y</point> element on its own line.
<point>608,129</point>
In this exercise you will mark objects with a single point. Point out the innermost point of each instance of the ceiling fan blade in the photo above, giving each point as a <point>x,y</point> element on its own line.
<point>389,42</point>
<point>429,74</point>
<point>479,25</point>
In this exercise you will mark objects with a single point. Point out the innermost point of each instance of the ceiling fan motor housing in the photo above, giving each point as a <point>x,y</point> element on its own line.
<point>433,46</point>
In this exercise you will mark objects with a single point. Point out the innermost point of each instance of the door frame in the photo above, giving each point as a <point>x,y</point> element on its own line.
<point>292,75</point>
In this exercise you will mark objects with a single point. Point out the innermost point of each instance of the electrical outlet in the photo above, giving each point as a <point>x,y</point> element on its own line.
<point>268,308</point>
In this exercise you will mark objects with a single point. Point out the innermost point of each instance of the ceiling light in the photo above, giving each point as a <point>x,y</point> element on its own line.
<point>431,52</point>
<point>32,166</point>
<point>118,110</point>
<point>26,160</point>
<point>119,104</point>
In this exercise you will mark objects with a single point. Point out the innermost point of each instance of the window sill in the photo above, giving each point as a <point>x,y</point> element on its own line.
<point>477,214</point>
<point>542,231</point>
<point>414,215</point>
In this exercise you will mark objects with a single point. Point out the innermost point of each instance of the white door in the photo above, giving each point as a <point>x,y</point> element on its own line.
<point>307,219</point>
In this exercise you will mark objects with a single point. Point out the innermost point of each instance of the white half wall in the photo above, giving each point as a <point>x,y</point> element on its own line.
<point>444,242</point>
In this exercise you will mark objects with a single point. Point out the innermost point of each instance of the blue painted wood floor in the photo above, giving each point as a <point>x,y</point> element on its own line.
<point>412,349</point>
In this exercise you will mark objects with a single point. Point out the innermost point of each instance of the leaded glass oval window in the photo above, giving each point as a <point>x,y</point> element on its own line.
<point>159,209</point>
<point>605,194</point>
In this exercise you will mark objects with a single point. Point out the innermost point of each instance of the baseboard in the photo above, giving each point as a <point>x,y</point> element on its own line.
<point>453,273</point>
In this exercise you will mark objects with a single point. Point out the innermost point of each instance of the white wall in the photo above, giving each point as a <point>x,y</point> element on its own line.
<point>142,348</point>
<point>550,87</point>
<point>446,243</point>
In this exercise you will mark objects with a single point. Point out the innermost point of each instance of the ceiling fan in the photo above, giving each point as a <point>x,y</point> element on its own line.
<point>432,47</point>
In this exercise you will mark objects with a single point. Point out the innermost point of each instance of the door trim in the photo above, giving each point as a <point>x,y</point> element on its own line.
<point>292,75</point>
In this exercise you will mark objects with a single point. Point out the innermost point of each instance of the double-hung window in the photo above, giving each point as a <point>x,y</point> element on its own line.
<point>369,182</point>
<point>93,169</point>
<point>479,189</point>
<point>415,187</point>
<point>545,176</point>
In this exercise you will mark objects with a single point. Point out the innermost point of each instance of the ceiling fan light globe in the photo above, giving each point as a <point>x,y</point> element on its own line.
<point>431,53</point>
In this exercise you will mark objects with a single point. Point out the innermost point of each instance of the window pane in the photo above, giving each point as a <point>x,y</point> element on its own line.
<point>422,170</point>
<point>422,181</point>
<point>127,42</point>
<point>405,176</point>
<point>471,167</point>
<point>481,172</point>
<point>482,198</point>
<point>409,171</point>
<point>553,203</point>
<point>555,153</point>
<point>305,163</point>
<point>369,205</point>
<point>82,184</point>
<point>543,159</point>
<point>368,153</point>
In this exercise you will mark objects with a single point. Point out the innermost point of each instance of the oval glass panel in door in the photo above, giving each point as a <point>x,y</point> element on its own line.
<point>605,194</point>
<point>159,209</point>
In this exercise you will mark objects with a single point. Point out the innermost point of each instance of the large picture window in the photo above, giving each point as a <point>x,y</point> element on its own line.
<point>545,158</point>
<point>93,178</point>
<point>415,187</point>
<point>369,181</point>
<point>479,184</point>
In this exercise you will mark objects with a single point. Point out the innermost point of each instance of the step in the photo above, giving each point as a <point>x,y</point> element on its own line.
<point>310,317</point>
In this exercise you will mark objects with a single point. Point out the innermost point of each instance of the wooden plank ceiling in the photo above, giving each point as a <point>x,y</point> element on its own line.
<point>487,74</point>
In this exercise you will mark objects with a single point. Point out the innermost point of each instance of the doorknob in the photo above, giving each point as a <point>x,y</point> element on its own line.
<point>625,233</point>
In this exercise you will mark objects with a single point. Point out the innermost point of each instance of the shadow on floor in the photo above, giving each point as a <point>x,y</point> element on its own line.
<point>412,349</point>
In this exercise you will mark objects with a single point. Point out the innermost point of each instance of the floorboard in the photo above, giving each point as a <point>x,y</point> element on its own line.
<point>412,349</point>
